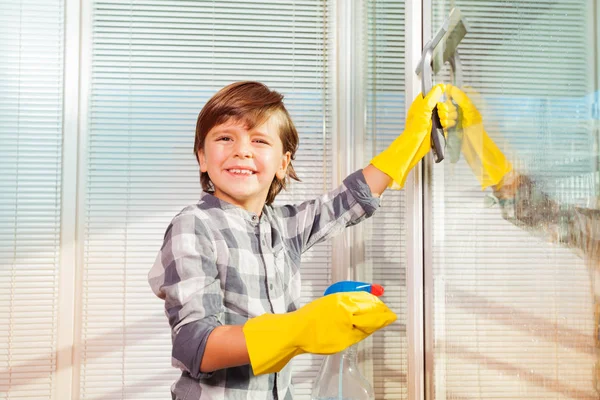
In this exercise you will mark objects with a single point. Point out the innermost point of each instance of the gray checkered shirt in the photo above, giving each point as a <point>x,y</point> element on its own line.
<point>221,265</point>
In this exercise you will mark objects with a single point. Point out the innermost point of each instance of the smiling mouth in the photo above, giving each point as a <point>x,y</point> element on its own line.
<point>241,172</point>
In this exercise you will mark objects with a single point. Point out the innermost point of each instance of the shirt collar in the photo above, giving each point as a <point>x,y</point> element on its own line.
<point>212,201</point>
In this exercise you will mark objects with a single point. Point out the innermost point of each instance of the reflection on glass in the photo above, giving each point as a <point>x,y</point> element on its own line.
<point>516,282</point>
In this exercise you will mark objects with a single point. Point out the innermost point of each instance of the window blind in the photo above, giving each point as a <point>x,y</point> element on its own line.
<point>154,65</point>
<point>385,245</point>
<point>514,313</point>
<point>31,99</point>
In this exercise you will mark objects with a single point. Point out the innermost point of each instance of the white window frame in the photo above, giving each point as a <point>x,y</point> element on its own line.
<point>416,200</point>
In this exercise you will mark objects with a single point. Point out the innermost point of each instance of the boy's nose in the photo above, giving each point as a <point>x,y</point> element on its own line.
<point>243,150</point>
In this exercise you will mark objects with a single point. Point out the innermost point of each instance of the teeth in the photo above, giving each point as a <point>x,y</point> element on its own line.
<point>241,171</point>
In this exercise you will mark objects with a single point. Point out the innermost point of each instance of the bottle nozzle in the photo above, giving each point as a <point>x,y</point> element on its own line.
<point>376,290</point>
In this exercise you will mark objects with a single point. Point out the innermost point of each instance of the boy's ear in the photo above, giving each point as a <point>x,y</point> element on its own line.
<point>285,162</point>
<point>202,161</point>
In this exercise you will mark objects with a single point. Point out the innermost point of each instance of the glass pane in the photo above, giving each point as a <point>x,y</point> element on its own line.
<point>32,48</point>
<point>153,67</point>
<point>514,270</point>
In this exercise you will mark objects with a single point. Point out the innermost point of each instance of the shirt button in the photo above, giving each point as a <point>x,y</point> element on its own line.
<point>271,286</point>
<point>254,218</point>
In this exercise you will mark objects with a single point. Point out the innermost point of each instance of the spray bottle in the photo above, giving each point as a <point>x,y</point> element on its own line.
<point>339,377</point>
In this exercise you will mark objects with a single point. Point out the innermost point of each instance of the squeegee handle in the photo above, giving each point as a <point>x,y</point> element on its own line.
<point>438,140</point>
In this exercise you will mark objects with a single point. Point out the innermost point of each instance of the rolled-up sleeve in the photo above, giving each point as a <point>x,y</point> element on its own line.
<point>185,276</point>
<point>359,189</point>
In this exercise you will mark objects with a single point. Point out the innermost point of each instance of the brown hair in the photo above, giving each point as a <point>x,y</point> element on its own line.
<point>251,103</point>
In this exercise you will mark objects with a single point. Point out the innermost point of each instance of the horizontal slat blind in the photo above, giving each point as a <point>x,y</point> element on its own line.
<point>386,232</point>
<point>514,314</point>
<point>532,64</point>
<point>154,65</point>
<point>31,107</point>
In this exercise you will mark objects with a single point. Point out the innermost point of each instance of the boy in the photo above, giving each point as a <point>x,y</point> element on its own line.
<point>229,266</point>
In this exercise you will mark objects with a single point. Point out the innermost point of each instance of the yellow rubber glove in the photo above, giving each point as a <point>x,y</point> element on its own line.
<point>411,146</point>
<point>324,326</point>
<point>484,157</point>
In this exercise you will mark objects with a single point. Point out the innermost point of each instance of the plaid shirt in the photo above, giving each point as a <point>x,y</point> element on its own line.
<point>221,265</point>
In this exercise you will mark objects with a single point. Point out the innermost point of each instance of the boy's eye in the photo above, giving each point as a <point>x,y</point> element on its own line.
<point>261,141</point>
<point>224,138</point>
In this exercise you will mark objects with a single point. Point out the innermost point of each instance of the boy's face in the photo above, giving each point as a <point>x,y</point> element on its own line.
<point>242,163</point>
